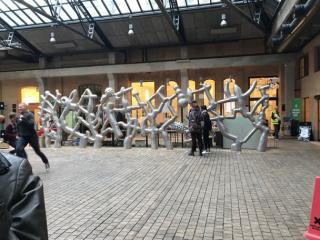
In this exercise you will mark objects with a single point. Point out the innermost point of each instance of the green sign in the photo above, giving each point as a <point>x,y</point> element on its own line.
<point>296,109</point>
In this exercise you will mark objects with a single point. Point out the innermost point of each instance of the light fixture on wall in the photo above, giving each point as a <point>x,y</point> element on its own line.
<point>52,37</point>
<point>223,22</point>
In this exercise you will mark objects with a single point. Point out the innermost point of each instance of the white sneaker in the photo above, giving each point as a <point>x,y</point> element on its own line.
<point>203,152</point>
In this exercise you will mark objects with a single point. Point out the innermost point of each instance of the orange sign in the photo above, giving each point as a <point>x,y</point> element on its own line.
<point>313,232</point>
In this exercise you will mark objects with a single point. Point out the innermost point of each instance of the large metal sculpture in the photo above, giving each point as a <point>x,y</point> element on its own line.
<point>99,116</point>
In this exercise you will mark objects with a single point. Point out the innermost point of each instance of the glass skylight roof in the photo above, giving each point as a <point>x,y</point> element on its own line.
<point>19,16</point>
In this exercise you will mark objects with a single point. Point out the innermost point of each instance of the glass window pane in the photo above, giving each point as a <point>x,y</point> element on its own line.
<point>24,17</point>
<point>154,5</point>
<point>145,5</point>
<point>3,7</point>
<point>70,11</point>
<point>101,8</point>
<point>204,1</point>
<point>37,2</point>
<point>192,2</point>
<point>47,10</point>
<point>7,20</point>
<point>111,6</point>
<point>181,3</point>
<point>33,16</point>
<point>11,5</point>
<point>134,6</point>
<point>122,6</point>
<point>63,15</point>
<point>91,9</point>
<point>15,18</point>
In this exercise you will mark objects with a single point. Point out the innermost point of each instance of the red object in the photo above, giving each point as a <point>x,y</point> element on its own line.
<point>313,232</point>
<point>39,133</point>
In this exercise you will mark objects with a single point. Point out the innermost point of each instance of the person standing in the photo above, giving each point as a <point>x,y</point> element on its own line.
<point>206,128</point>
<point>22,205</point>
<point>10,134</point>
<point>195,127</point>
<point>27,134</point>
<point>276,121</point>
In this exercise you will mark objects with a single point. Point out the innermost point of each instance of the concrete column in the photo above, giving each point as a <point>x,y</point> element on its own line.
<point>183,52</point>
<point>112,81</point>
<point>41,85</point>
<point>289,82</point>
<point>111,58</point>
<point>42,62</point>
<point>184,87</point>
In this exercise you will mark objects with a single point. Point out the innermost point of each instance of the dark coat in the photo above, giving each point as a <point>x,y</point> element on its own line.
<point>22,209</point>
<point>26,125</point>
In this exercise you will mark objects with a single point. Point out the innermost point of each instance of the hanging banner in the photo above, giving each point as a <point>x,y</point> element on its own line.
<point>296,109</point>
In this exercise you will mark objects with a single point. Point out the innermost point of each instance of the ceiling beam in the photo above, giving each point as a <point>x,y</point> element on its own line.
<point>34,51</point>
<point>90,19</point>
<point>208,63</point>
<point>41,12</point>
<point>244,15</point>
<point>178,32</point>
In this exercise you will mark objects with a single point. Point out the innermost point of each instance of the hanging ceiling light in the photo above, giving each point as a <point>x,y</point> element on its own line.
<point>223,22</point>
<point>130,32</point>
<point>52,38</point>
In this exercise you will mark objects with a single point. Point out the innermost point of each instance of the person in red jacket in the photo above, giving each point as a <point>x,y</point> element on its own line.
<point>10,134</point>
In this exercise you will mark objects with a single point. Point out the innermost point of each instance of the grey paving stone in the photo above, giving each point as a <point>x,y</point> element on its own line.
<point>112,193</point>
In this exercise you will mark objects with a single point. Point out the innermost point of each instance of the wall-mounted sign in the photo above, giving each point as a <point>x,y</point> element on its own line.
<point>296,109</point>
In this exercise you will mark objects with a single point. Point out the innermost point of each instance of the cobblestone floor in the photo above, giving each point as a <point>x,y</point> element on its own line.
<point>112,193</point>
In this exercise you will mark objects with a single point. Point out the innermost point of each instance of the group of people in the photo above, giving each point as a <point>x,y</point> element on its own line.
<point>200,127</point>
<point>22,205</point>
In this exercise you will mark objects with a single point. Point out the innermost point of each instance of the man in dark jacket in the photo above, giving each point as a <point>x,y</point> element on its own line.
<point>195,127</point>
<point>10,134</point>
<point>27,134</point>
<point>206,128</point>
<point>22,208</point>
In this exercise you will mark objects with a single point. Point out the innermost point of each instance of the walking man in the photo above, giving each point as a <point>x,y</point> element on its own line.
<point>27,134</point>
<point>195,126</point>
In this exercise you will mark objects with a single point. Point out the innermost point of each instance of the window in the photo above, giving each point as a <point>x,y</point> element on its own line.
<point>256,95</point>
<point>145,90</point>
<point>192,86</point>
<point>212,83</point>
<point>170,92</point>
<point>303,66</point>
<point>317,59</point>
<point>30,95</point>
<point>228,107</point>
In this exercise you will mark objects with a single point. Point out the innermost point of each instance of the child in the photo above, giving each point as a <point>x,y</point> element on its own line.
<point>10,134</point>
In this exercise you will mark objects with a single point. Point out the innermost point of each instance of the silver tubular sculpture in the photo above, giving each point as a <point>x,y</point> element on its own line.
<point>98,116</point>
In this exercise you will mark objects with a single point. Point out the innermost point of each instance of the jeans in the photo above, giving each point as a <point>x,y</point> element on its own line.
<point>196,140</point>
<point>206,139</point>
<point>276,131</point>
<point>34,143</point>
<point>13,144</point>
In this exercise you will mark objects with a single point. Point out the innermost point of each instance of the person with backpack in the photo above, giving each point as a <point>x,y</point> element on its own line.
<point>195,127</point>
<point>206,128</point>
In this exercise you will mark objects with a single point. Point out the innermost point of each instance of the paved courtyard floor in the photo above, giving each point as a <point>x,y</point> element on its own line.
<point>113,193</point>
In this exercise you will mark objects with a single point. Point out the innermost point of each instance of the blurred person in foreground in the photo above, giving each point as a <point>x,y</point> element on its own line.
<point>22,206</point>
